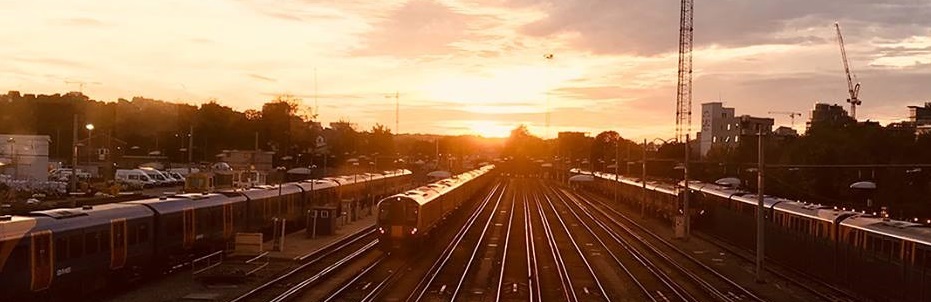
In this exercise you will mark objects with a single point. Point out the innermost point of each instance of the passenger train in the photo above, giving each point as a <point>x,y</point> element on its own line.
<point>405,219</point>
<point>70,252</point>
<point>879,257</point>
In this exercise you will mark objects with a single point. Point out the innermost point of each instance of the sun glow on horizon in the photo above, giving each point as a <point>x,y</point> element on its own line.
<point>485,128</point>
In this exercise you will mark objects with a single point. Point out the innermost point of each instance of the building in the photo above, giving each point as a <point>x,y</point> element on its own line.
<point>246,160</point>
<point>784,131</point>
<point>100,154</point>
<point>721,128</point>
<point>24,156</point>
<point>753,126</point>
<point>717,125</point>
<point>920,115</point>
<point>829,115</point>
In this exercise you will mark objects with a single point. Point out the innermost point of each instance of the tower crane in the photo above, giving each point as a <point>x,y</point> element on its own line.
<point>852,89</point>
<point>791,115</point>
<point>684,90</point>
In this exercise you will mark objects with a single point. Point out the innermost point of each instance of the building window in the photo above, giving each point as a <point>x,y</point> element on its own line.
<point>736,138</point>
<point>714,139</point>
<point>728,127</point>
<point>727,139</point>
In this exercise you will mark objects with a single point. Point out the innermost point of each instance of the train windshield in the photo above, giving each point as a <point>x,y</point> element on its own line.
<point>398,213</point>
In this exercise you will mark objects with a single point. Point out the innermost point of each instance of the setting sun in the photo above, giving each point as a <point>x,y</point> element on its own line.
<point>489,128</point>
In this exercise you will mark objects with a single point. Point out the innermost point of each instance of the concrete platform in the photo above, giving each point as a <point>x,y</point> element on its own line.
<point>183,286</point>
<point>297,245</point>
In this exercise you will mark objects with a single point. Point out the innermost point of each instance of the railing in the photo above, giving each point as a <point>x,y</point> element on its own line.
<point>210,261</point>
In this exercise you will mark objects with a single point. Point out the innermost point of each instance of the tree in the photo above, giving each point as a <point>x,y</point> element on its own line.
<point>523,144</point>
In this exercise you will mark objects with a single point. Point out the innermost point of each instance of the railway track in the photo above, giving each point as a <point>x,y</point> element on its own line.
<point>579,279</point>
<point>315,266</point>
<point>812,284</point>
<point>444,280</point>
<point>645,278</point>
<point>703,282</point>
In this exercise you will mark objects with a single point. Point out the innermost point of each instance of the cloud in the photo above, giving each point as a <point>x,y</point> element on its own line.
<point>651,27</point>
<point>79,22</point>
<point>261,77</point>
<point>417,28</point>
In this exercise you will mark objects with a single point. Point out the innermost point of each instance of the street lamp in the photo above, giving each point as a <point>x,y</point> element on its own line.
<point>643,171</point>
<point>90,148</point>
<point>12,142</point>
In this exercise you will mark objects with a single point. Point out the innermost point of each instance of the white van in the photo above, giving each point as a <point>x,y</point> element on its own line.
<point>135,177</point>
<point>157,176</point>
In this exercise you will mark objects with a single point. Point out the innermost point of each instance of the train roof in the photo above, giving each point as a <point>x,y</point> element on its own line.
<point>317,184</point>
<point>267,191</point>
<point>811,210</point>
<point>64,219</point>
<point>178,203</point>
<point>14,227</point>
<point>426,193</point>
<point>904,230</point>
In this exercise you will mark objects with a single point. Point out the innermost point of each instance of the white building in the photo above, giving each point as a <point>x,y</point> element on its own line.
<point>718,125</point>
<point>24,156</point>
<point>722,128</point>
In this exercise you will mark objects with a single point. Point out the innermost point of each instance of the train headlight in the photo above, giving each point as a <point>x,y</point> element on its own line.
<point>381,230</point>
<point>413,231</point>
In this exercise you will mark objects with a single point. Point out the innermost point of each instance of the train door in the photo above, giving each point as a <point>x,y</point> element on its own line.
<point>41,260</point>
<point>227,220</point>
<point>188,228</point>
<point>117,243</point>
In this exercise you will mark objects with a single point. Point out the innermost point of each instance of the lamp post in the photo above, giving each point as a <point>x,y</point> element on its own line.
<point>759,210</point>
<point>15,163</point>
<point>643,179</point>
<point>90,145</point>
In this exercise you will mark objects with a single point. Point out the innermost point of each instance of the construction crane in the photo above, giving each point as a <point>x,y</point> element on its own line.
<point>791,115</point>
<point>852,89</point>
<point>684,91</point>
<point>81,84</point>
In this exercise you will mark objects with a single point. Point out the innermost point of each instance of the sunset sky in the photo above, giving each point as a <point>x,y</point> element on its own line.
<point>475,67</point>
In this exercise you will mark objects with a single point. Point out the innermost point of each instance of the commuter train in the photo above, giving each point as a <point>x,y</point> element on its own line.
<point>405,219</point>
<point>879,257</point>
<point>48,255</point>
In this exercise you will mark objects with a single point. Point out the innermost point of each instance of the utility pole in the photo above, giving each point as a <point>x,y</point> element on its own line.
<point>190,150</point>
<point>643,182</point>
<point>617,148</point>
<point>316,104</point>
<point>397,111</point>
<point>74,154</point>
<point>685,199</point>
<point>549,58</point>
<point>760,253</point>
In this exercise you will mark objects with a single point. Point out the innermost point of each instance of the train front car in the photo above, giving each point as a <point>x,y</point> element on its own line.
<point>399,218</point>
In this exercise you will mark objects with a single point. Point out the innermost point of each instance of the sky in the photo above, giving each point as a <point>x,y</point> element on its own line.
<point>476,67</point>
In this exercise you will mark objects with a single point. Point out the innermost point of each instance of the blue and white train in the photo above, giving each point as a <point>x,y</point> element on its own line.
<point>67,253</point>
<point>881,258</point>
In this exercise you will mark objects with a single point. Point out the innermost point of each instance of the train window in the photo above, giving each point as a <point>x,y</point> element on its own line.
<point>61,249</point>
<point>131,237</point>
<point>896,249</point>
<point>105,241</point>
<point>923,257</point>
<point>143,233</point>
<point>91,242</point>
<point>75,246</point>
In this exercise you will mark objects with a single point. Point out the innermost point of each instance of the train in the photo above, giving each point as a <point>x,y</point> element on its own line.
<point>880,258</point>
<point>405,220</point>
<point>73,252</point>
